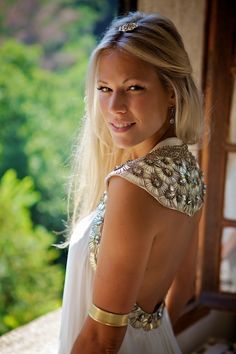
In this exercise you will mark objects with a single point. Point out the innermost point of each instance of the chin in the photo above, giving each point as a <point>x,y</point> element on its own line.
<point>123,145</point>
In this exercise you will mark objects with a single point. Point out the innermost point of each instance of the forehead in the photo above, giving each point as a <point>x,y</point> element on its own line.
<point>115,62</point>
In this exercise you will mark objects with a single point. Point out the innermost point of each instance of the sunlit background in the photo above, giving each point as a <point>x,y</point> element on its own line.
<point>44,50</point>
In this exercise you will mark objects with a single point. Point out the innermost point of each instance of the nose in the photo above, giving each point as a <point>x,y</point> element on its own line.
<point>117,103</point>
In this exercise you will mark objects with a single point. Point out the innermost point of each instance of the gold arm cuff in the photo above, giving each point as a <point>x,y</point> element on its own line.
<point>107,318</point>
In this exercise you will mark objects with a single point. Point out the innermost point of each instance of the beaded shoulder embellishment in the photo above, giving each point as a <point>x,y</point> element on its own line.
<point>170,174</point>
<point>95,231</point>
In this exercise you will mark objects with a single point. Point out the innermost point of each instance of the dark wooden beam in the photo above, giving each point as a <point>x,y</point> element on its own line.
<point>218,89</point>
<point>219,301</point>
<point>228,223</point>
<point>190,317</point>
<point>125,6</point>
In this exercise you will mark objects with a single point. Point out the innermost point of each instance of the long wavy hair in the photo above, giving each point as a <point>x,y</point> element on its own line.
<point>155,41</point>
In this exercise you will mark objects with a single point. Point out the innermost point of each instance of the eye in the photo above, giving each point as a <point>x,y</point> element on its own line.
<point>135,88</point>
<point>103,89</point>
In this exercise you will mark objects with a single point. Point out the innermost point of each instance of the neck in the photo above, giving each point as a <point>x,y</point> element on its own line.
<point>170,133</point>
<point>166,131</point>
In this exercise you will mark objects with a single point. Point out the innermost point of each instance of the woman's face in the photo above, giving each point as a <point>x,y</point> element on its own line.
<point>133,101</point>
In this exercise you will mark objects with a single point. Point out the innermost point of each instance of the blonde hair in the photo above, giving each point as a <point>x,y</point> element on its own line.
<point>156,41</point>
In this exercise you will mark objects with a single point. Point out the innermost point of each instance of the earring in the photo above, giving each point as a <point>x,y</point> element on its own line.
<point>172,114</point>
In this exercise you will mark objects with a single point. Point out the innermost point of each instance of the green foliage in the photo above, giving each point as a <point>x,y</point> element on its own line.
<point>39,114</point>
<point>30,281</point>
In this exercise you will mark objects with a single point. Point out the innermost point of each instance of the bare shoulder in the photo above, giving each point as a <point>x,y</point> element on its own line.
<point>125,196</point>
<point>127,199</point>
<point>124,189</point>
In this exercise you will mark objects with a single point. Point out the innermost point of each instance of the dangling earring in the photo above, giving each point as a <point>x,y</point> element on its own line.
<point>172,114</point>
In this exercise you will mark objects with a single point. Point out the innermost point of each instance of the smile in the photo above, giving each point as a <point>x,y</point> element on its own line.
<point>121,127</point>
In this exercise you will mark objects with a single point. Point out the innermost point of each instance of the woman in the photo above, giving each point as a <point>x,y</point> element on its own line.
<point>131,261</point>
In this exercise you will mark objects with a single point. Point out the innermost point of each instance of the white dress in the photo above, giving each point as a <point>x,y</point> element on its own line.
<point>80,271</point>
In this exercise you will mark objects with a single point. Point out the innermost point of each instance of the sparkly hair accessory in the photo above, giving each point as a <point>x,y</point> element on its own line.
<point>128,27</point>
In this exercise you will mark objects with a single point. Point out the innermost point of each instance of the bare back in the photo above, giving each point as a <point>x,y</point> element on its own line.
<point>174,248</point>
<point>149,233</point>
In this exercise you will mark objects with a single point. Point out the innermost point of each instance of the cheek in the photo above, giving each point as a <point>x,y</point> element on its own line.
<point>156,104</point>
<point>103,104</point>
<point>138,104</point>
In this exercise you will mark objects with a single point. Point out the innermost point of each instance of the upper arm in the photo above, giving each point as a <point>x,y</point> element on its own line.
<point>127,237</point>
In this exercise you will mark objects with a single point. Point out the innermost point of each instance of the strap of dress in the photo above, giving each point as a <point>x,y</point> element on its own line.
<point>170,174</point>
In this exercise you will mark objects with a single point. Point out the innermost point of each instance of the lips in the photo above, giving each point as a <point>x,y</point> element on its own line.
<point>121,127</point>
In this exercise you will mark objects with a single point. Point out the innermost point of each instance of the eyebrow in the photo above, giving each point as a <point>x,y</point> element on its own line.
<point>128,79</point>
<point>104,82</point>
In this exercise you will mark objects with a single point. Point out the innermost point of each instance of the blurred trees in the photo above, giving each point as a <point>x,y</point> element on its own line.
<point>59,26</point>
<point>44,51</point>
<point>39,113</point>
<point>30,282</point>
